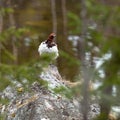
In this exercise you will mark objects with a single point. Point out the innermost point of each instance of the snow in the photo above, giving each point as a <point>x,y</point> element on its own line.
<point>74,39</point>
<point>45,119</point>
<point>100,61</point>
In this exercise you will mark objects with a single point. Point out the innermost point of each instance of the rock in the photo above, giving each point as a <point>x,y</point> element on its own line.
<point>52,76</point>
<point>38,106</point>
<point>41,103</point>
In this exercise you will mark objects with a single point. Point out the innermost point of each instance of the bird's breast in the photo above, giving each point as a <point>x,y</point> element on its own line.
<point>44,49</point>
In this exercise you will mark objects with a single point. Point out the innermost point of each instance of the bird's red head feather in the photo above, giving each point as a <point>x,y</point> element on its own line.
<point>51,36</point>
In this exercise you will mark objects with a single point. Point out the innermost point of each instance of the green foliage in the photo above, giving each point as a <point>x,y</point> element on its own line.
<point>12,31</point>
<point>4,11</point>
<point>63,91</point>
<point>99,12</point>
<point>26,72</point>
<point>7,54</point>
<point>5,71</point>
<point>30,72</point>
<point>105,36</point>
<point>5,82</point>
<point>47,58</point>
<point>108,42</point>
<point>43,83</point>
<point>75,22</point>
<point>4,101</point>
<point>2,117</point>
<point>71,61</point>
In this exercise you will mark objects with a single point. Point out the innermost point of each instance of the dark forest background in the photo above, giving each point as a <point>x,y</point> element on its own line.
<point>86,30</point>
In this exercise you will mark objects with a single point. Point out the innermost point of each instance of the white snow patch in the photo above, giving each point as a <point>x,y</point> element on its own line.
<point>45,119</point>
<point>74,39</point>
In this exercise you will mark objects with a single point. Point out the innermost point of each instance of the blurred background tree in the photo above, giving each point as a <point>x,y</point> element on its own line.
<point>24,24</point>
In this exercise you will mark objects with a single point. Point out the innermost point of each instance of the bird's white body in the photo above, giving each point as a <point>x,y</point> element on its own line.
<point>44,49</point>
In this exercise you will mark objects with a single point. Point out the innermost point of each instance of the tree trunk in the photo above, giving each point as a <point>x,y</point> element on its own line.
<point>1,26</point>
<point>81,54</point>
<point>64,13</point>
<point>14,39</point>
<point>105,102</point>
<point>54,16</point>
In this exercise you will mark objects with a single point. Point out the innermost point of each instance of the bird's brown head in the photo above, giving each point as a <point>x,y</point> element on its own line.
<point>49,41</point>
<point>51,37</point>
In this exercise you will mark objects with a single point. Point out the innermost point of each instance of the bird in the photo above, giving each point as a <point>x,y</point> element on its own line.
<point>50,71</point>
<point>49,47</point>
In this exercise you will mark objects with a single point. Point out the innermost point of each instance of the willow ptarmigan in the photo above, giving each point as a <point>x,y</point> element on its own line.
<point>51,73</point>
<point>49,47</point>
